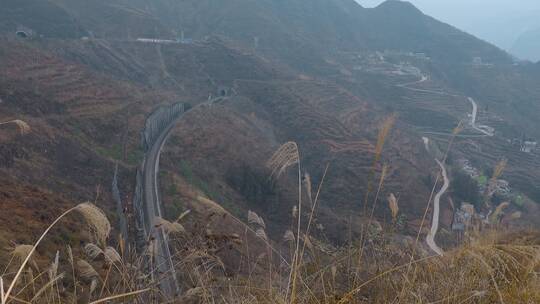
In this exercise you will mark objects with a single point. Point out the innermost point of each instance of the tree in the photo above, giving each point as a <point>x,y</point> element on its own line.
<point>465,188</point>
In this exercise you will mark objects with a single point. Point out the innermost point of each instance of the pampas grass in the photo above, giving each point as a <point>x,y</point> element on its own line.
<point>85,270</point>
<point>111,255</point>
<point>261,234</point>
<point>92,251</point>
<point>169,227</point>
<point>289,236</point>
<point>499,168</point>
<point>97,222</point>
<point>286,156</point>
<point>393,205</point>
<point>495,216</point>
<point>24,127</point>
<point>386,126</point>
<point>21,252</point>
<point>95,218</point>
<point>254,218</point>
<point>484,270</point>
<point>307,185</point>
<point>53,269</point>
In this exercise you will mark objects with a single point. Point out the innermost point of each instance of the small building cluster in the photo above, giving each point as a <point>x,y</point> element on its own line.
<point>529,146</point>
<point>526,145</point>
<point>499,186</point>
<point>463,217</point>
<point>468,168</point>
<point>478,61</point>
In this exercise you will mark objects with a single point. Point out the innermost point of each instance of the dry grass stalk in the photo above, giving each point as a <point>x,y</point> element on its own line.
<point>97,221</point>
<point>50,284</point>
<point>394,207</point>
<point>184,214</point>
<point>24,127</point>
<point>515,216</point>
<point>86,271</point>
<point>254,218</point>
<point>498,212</point>
<point>261,234</point>
<point>194,292</point>
<point>289,236</point>
<point>169,227</point>
<point>21,252</point>
<point>92,251</point>
<point>93,286</point>
<point>499,169</point>
<point>490,189</point>
<point>287,155</point>
<point>151,249</point>
<point>458,129</point>
<point>121,296</point>
<point>111,255</point>
<point>53,269</point>
<point>307,185</point>
<point>387,125</point>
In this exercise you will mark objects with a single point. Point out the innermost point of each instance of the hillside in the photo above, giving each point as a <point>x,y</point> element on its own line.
<point>43,17</point>
<point>370,97</point>
<point>287,29</point>
<point>333,113</point>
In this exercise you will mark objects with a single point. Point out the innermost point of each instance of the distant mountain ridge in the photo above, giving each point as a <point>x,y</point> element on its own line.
<point>527,46</point>
<point>296,31</point>
<point>323,26</point>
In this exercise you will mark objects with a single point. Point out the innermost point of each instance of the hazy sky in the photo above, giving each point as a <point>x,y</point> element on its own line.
<point>498,21</point>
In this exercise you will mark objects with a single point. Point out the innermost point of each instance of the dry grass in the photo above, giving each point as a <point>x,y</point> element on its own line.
<point>385,129</point>
<point>380,267</point>
<point>487,268</point>
<point>286,156</point>
<point>24,127</point>
<point>32,285</point>
<point>393,205</point>
<point>97,222</point>
<point>169,227</point>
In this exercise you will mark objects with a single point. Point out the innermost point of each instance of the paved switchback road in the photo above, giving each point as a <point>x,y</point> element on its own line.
<point>430,239</point>
<point>484,130</point>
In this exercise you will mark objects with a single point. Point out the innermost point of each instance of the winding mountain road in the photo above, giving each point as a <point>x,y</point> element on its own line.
<point>430,239</point>
<point>480,128</point>
<point>164,268</point>
<point>485,130</point>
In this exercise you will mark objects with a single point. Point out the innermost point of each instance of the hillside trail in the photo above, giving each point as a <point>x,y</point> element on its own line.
<point>430,238</point>
<point>485,130</point>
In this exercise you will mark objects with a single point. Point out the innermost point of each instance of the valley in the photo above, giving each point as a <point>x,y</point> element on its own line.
<point>188,101</point>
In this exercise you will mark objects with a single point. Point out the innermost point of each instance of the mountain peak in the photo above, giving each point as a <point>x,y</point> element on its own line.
<point>402,6</point>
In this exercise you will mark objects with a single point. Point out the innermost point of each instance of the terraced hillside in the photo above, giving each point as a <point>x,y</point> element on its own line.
<point>301,80</point>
